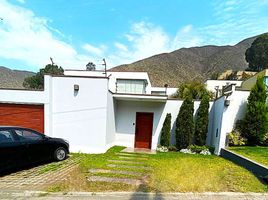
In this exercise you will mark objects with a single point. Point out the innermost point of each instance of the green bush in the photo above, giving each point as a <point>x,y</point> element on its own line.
<point>197,149</point>
<point>235,139</point>
<point>165,132</point>
<point>265,140</point>
<point>185,124</point>
<point>172,148</point>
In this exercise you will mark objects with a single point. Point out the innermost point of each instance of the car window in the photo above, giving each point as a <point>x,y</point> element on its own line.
<point>6,136</point>
<point>27,135</point>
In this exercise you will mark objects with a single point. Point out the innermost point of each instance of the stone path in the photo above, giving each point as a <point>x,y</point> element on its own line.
<point>37,177</point>
<point>115,172</point>
<point>123,164</point>
<point>115,180</point>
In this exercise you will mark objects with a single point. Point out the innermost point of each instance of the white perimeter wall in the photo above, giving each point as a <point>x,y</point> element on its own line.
<point>80,117</point>
<point>126,116</point>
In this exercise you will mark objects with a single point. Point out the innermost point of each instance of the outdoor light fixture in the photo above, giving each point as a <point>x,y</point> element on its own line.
<point>76,88</point>
<point>166,86</point>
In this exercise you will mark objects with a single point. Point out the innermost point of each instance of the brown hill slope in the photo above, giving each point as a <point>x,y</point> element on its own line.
<point>186,64</point>
<point>12,78</point>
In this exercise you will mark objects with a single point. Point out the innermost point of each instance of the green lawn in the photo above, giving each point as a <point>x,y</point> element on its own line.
<point>258,154</point>
<point>171,172</point>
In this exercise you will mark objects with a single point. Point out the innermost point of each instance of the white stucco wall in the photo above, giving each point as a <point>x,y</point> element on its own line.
<point>80,117</point>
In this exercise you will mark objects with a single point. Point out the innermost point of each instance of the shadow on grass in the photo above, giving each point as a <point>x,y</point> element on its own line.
<point>142,193</point>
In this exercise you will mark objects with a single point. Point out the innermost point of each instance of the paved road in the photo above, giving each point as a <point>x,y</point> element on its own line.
<point>128,195</point>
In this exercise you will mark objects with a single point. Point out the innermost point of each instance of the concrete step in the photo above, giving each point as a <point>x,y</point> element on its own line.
<point>127,162</point>
<point>132,158</point>
<point>132,154</point>
<point>129,166</point>
<point>115,172</point>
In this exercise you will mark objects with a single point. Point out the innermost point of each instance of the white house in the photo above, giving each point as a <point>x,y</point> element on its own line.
<point>94,110</point>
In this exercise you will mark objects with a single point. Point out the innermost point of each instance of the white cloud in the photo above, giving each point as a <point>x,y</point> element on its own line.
<point>99,51</point>
<point>120,46</point>
<point>28,38</point>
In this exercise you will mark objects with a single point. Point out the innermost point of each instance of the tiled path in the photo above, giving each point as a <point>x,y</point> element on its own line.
<point>124,164</point>
<point>38,177</point>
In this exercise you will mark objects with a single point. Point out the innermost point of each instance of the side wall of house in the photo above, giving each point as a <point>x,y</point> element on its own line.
<point>80,117</point>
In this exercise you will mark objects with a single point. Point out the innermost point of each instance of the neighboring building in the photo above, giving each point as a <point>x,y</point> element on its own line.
<point>216,86</point>
<point>249,83</point>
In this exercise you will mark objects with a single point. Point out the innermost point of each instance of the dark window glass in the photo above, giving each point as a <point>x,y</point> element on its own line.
<point>27,135</point>
<point>6,136</point>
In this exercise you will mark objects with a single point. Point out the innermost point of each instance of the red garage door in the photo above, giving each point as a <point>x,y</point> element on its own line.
<point>27,116</point>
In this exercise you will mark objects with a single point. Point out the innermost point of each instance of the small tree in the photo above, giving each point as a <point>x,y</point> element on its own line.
<point>165,132</point>
<point>201,123</point>
<point>255,123</point>
<point>185,124</point>
<point>257,54</point>
<point>37,81</point>
<point>194,89</point>
<point>91,66</point>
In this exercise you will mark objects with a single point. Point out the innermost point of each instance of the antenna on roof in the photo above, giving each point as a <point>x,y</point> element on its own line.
<point>51,59</point>
<point>105,67</point>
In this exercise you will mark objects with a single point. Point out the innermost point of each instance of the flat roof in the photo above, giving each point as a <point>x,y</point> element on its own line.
<point>140,97</point>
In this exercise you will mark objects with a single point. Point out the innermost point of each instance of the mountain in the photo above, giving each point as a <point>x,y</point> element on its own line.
<point>12,78</point>
<point>195,63</point>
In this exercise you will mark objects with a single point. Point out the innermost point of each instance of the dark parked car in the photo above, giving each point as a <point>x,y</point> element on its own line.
<point>22,146</point>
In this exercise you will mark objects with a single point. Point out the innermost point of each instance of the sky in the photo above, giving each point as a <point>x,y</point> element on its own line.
<point>75,32</point>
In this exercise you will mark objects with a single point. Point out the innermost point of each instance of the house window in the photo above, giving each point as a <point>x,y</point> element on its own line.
<point>130,86</point>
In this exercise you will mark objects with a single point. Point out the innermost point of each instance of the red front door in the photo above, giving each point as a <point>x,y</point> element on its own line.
<point>144,129</point>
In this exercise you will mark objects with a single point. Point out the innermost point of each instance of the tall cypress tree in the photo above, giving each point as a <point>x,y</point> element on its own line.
<point>185,124</point>
<point>255,123</point>
<point>165,132</point>
<point>201,123</point>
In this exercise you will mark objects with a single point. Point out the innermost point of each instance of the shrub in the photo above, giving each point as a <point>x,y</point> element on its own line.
<point>185,124</point>
<point>235,139</point>
<point>165,132</point>
<point>201,123</point>
<point>255,124</point>
<point>172,148</point>
<point>197,149</point>
<point>265,140</point>
<point>194,89</point>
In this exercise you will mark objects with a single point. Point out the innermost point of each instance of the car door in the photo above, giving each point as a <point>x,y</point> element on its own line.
<point>35,144</point>
<point>11,151</point>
